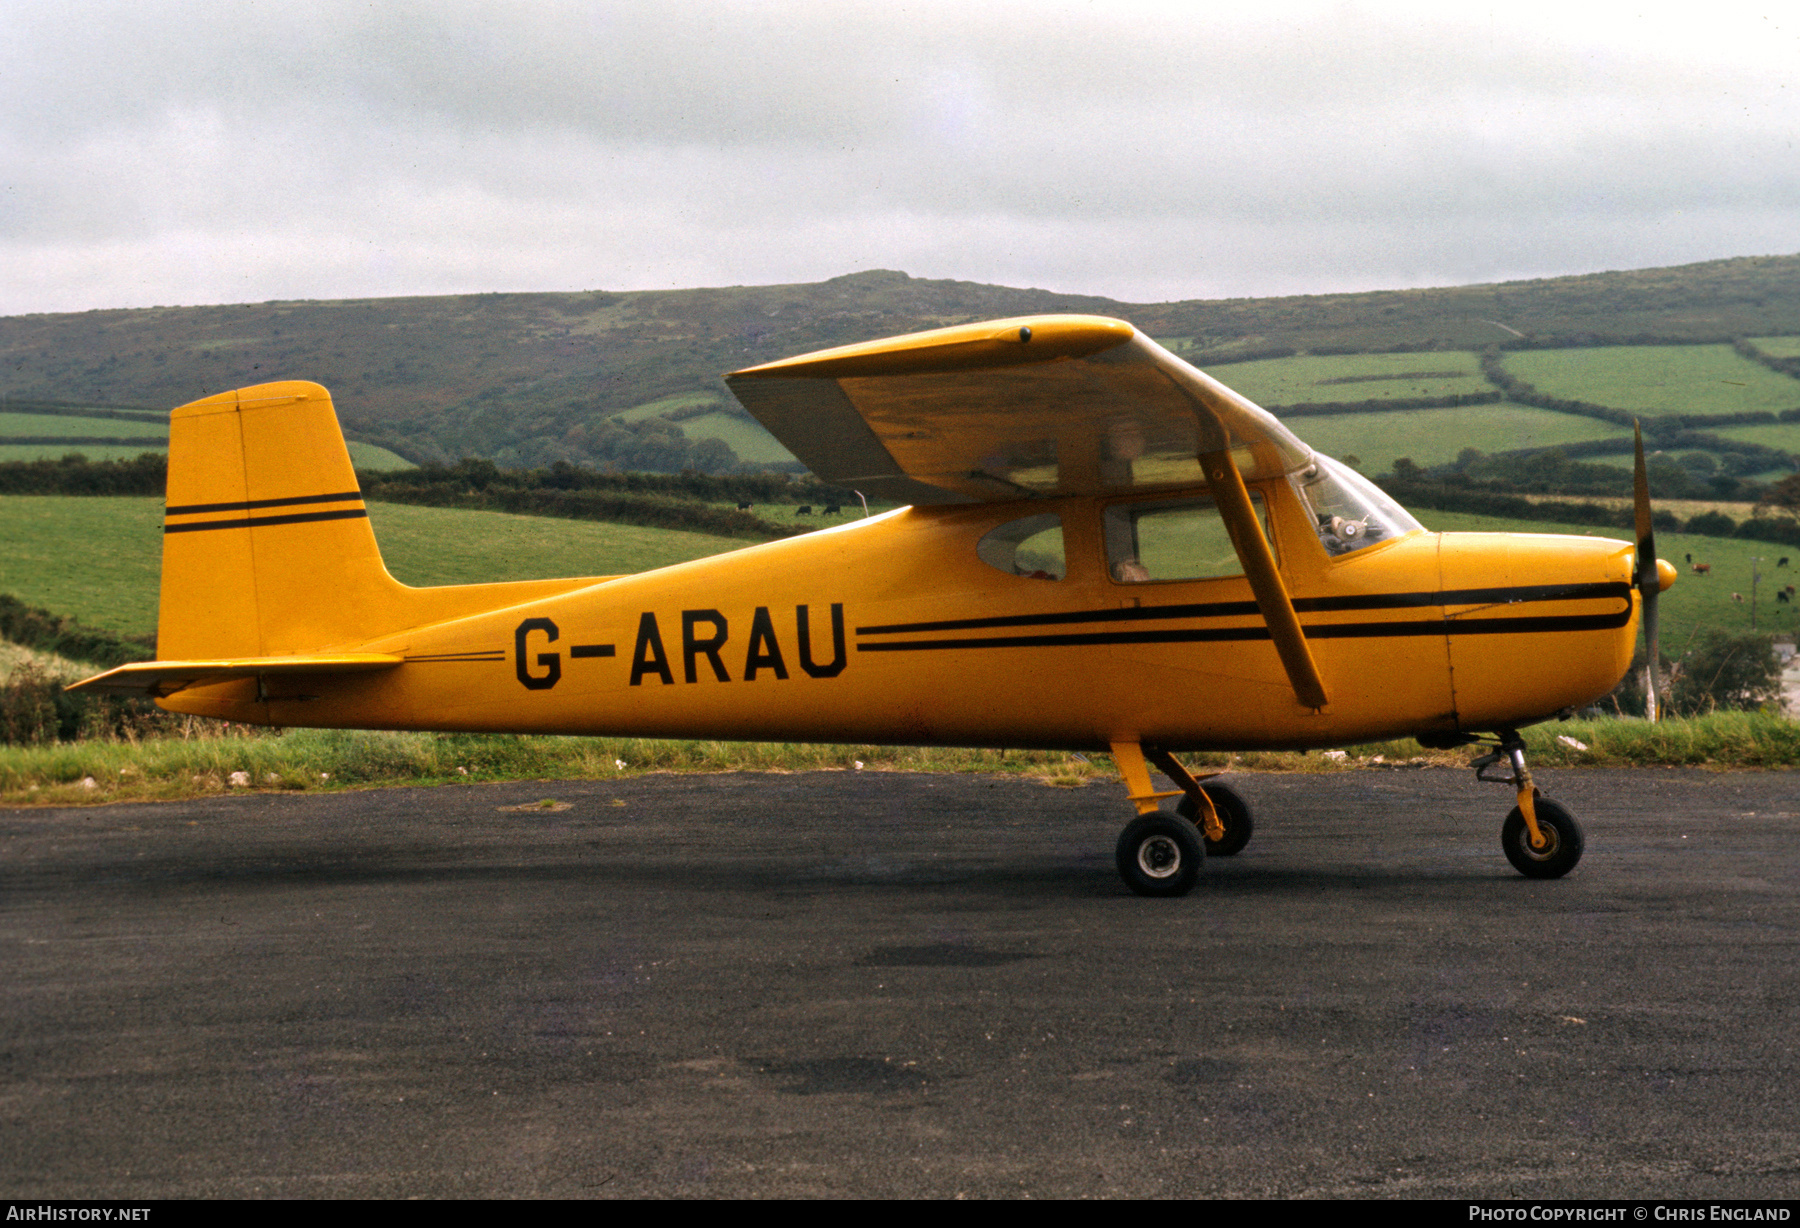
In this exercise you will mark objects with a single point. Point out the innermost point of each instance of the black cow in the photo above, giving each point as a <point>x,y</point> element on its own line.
<point>805,509</point>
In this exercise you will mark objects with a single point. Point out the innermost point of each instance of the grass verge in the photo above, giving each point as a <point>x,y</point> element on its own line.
<point>208,758</point>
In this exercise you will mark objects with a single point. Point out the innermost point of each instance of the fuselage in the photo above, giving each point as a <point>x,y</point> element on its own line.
<point>912,628</point>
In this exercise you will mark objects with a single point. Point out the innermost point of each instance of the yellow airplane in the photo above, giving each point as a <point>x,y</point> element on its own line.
<point>1103,549</point>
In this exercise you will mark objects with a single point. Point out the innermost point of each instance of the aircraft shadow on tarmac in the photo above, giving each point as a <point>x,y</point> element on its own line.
<point>1035,873</point>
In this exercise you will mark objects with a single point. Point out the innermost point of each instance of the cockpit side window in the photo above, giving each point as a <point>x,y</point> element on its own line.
<point>1172,539</point>
<point>1031,546</point>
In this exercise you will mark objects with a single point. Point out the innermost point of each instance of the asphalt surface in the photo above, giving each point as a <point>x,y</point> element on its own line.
<point>878,985</point>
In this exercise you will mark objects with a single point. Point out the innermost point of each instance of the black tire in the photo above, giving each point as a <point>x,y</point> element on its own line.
<point>1160,854</point>
<point>1233,811</point>
<point>1553,861</point>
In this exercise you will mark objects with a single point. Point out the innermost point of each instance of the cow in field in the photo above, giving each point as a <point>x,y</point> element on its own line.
<point>1738,597</point>
<point>805,509</point>
<point>1703,569</point>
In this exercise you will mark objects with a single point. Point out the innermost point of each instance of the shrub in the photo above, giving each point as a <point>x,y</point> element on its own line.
<point>28,714</point>
<point>1712,524</point>
<point>1726,670</point>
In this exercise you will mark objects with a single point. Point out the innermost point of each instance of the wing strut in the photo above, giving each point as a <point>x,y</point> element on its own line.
<point>1259,567</point>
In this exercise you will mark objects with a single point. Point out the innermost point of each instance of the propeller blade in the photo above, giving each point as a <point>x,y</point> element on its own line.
<point>1649,584</point>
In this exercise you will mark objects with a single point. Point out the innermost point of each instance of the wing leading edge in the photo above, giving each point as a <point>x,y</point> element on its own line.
<point>1010,409</point>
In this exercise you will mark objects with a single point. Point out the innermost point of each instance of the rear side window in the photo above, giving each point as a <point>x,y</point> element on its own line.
<point>1031,546</point>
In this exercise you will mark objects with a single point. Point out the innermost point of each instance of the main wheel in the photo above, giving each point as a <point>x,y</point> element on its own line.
<point>1562,847</point>
<point>1234,813</point>
<point>1160,854</point>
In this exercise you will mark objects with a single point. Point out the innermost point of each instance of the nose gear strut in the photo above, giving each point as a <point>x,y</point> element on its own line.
<point>1540,838</point>
<point>1511,747</point>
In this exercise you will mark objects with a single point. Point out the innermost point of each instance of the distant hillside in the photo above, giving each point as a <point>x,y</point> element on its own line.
<point>529,379</point>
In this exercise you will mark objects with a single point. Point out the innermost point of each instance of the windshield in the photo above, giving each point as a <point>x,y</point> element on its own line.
<point>1349,511</point>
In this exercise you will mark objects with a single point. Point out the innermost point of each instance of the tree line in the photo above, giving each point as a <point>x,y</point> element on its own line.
<point>1414,487</point>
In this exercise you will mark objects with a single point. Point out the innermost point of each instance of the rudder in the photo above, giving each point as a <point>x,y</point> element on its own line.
<point>267,547</point>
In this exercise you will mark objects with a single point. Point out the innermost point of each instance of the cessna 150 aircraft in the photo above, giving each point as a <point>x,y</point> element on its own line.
<point>1103,549</point>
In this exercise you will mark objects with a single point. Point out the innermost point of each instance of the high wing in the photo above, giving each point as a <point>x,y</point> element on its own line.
<point>1036,407</point>
<point>1011,409</point>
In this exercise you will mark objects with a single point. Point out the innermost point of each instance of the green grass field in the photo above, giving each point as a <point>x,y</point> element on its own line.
<point>13,425</point>
<point>94,452</point>
<point>1354,377</point>
<point>1435,436</point>
<point>662,405</point>
<point>100,559</point>
<point>371,459</point>
<point>1783,435</point>
<point>748,439</point>
<point>433,545</point>
<point>1778,347</point>
<point>13,656</point>
<point>1657,379</point>
<point>365,456</point>
<point>1624,465</point>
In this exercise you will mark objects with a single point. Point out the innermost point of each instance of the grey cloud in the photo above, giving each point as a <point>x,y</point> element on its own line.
<point>288,149</point>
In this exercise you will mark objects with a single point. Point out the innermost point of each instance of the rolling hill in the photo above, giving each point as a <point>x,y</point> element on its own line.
<point>630,380</point>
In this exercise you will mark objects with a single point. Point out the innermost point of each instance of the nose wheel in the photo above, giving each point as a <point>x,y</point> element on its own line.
<point>1539,837</point>
<point>1561,847</point>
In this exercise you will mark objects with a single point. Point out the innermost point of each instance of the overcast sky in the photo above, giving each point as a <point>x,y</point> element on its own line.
<point>198,152</point>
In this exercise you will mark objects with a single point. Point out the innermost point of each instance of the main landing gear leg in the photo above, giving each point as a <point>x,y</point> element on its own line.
<point>1218,810</point>
<point>1539,837</point>
<point>1159,853</point>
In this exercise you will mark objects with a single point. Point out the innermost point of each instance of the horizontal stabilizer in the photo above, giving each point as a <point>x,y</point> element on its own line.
<point>153,679</point>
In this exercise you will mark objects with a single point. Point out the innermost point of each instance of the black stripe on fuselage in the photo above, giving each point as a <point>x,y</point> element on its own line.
<point>1302,605</point>
<point>461,656</point>
<point>1449,625</point>
<point>257,522</point>
<point>1317,631</point>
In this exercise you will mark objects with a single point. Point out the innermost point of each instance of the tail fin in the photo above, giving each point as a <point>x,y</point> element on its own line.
<point>267,548</point>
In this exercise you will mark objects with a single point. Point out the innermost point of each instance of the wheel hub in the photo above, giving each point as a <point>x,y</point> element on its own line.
<point>1546,851</point>
<point>1159,857</point>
